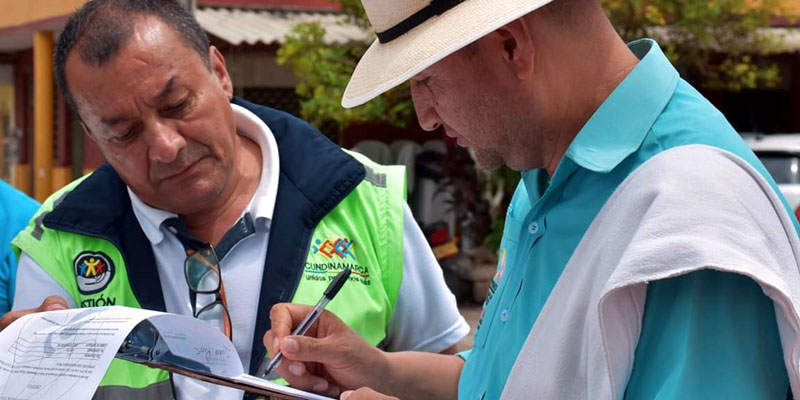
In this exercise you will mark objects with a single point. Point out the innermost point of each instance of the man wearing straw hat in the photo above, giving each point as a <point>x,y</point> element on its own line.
<point>646,252</point>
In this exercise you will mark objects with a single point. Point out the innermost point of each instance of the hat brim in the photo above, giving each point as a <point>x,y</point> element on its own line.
<point>386,65</point>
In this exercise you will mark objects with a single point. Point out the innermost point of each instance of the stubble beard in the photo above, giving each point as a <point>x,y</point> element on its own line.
<point>487,159</point>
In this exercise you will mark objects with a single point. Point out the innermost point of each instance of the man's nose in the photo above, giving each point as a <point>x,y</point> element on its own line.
<point>427,116</point>
<point>164,142</point>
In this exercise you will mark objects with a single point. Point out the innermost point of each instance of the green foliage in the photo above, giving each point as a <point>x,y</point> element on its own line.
<point>499,185</point>
<point>712,42</point>
<point>355,12</point>
<point>323,72</point>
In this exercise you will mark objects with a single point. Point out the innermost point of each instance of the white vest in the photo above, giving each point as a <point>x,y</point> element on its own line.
<point>686,209</point>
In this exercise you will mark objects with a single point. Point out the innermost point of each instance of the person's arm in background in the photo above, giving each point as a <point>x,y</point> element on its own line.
<point>708,335</point>
<point>426,316</point>
<point>8,278</point>
<point>16,209</point>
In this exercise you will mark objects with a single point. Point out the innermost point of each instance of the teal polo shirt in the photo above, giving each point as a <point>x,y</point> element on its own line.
<point>705,335</point>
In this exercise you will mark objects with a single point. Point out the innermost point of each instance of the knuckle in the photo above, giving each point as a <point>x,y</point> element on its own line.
<point>273,312</point>
<point>308,347</point>
<point>330,317</point>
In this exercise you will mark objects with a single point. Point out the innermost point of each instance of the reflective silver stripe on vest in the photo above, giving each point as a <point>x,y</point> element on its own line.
<point>157,391</point>
<point>378,180</point>
<point>38,229</point>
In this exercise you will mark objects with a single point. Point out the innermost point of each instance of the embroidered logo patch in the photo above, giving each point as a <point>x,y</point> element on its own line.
<point>93,271</point>
<point>339,247</point>
<point>332,255</point>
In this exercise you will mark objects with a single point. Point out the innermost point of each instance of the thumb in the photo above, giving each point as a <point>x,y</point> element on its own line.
<point>53,303</point>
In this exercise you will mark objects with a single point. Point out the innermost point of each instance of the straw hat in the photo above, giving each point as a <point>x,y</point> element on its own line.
<point>415,34</point>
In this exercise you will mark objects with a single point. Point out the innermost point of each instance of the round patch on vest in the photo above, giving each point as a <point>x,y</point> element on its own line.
<point>93,271</point>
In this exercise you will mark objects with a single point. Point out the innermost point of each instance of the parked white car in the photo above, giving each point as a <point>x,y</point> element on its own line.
<point>780,153</point>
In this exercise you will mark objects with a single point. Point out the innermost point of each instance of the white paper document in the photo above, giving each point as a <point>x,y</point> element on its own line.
<point>64,354</point>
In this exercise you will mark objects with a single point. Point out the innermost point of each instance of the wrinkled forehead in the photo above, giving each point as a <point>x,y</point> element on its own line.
<point>122,89</point>
<point>145,64</point>
<point>121,76</point>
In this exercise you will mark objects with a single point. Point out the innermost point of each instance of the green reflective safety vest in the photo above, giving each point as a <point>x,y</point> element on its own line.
<point>362,233</point>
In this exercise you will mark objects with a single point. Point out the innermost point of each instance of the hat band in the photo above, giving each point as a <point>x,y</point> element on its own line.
<point>437,7</point>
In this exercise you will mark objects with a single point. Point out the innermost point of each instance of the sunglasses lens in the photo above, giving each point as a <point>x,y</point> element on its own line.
<point>202,272</point>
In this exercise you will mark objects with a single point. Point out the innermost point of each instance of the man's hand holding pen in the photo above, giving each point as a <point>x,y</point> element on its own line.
<point>329,359</point>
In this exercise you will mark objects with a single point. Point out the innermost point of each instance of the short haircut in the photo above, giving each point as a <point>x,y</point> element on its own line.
<point>100,28</point>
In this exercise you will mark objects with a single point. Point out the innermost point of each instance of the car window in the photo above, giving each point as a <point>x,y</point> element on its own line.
<point>785,168</point>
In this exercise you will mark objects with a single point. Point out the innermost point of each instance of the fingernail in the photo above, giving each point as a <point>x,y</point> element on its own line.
<point>321,387</point>
<point>275,344</point>
<point>296,369</point>
<point>346,394</point>
<point>291,346</point>
<point>56,307</point>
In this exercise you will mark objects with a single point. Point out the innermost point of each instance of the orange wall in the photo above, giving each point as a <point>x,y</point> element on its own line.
<point>794,7</point>
<point>22,12</point>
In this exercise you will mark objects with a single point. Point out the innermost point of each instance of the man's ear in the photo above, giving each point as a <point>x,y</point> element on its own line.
<point>518,47</point>
<point>220,70</point>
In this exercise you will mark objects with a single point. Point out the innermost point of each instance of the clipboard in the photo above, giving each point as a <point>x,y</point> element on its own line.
<point>146,345</point>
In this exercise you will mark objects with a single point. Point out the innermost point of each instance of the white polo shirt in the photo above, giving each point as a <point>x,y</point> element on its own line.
<point>425,319</point>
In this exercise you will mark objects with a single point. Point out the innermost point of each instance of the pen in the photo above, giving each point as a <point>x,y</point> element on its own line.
<point>313,316</point>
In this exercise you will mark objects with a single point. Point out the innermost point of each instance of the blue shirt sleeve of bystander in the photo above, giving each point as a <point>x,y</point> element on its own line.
<point>16,209</point>
<point>708,335</point>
